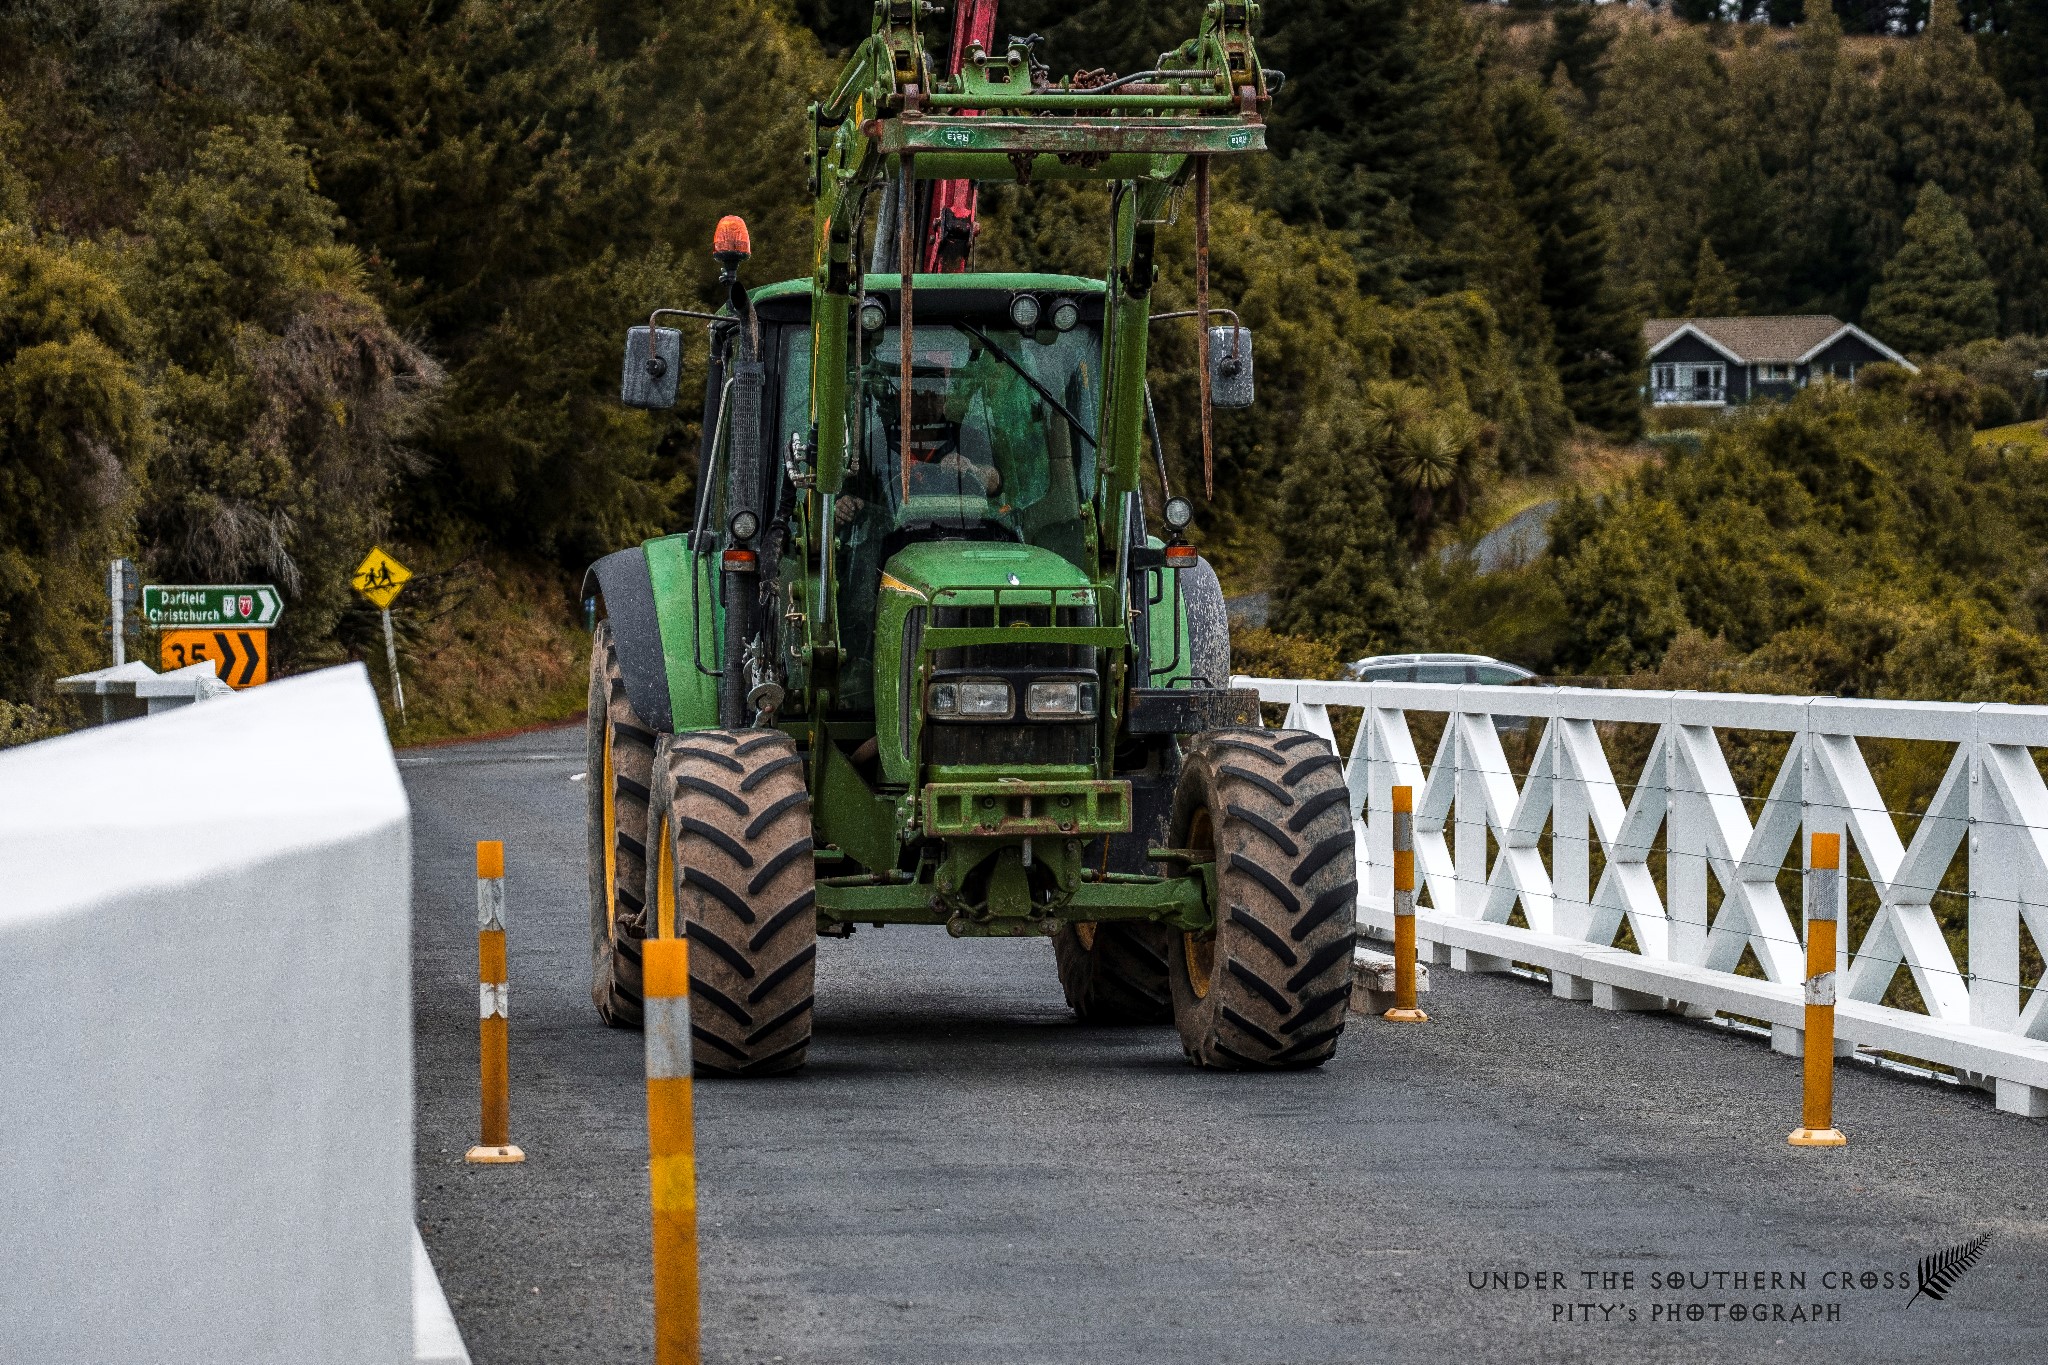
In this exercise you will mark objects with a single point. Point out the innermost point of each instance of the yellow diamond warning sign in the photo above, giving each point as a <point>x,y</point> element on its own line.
<point>380,577</point>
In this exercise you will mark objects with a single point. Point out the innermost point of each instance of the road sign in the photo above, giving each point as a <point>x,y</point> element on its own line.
<point>169,605</point>
<point>380,577</point>
<point>240,657</point>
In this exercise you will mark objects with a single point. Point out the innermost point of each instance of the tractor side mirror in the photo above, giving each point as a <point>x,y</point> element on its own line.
<point>654,363</point>
<point>1230,367</point>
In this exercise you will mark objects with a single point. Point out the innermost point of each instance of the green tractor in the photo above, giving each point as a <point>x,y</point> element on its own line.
<point>919,659</point>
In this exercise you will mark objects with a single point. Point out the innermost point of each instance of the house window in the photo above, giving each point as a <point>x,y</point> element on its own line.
<point>1683,383</point>
<point>1777,374</point>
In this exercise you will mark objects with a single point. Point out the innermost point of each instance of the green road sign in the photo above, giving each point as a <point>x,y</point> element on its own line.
<point>211,604</point>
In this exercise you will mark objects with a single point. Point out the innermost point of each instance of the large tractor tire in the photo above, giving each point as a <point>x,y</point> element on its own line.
<point>619,752</point>
<point>1266,988</point>
<point>1114,973</point>
<point>731,869</point>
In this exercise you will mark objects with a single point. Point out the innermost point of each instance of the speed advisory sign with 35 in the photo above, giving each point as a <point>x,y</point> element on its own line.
<point>240,657</point>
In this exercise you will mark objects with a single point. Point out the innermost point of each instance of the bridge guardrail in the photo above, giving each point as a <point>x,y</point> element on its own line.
<point>1682,830</point>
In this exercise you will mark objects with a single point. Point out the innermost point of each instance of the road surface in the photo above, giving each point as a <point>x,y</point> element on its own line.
<point>964,1174</point>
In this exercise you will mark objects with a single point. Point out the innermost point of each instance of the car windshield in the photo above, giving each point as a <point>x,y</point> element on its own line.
<point>990,452</point>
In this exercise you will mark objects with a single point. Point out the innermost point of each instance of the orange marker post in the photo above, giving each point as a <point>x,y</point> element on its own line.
<point>493,1009</point>
<point>671,1149</point>
<point>1823,914</point>
<point>1406,1010</point>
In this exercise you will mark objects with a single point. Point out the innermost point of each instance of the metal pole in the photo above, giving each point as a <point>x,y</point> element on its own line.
<point>493,1010</point>
<point>1823,914</point>
<point>1406,1010</point>
<point>117,590</point>
<point>391,660</point>
<point>671,1146</point>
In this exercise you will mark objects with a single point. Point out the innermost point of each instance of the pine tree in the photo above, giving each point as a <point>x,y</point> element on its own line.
<point>1359,130</point>
<point>1663,122</point>
<point>1341,576</point>
<point>1578,40</point>
<point>1555,178</point>
<point>1936,291</point>
<point>1713,291</point>
<point>1948,121</point>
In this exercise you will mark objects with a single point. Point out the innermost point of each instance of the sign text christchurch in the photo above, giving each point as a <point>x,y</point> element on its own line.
<point>211,604</point>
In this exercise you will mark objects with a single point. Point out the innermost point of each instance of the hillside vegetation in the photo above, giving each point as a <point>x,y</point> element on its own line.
<point>280,281</point>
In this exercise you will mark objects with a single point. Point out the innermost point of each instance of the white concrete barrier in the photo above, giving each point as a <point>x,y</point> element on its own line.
<point>206,1036</point>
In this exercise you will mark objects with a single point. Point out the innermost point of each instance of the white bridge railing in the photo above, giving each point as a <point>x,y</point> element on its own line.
<point>1698,871</point>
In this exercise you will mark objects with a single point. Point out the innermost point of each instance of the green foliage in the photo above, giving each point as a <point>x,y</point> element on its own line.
<point>1713,292</point>
<point>74,433</point>
<point>1936,292</point>
<point>2006,369</point>
<point>286,399</point>
<point>1847,542</point>
<point>1598,340</point>
<point>525,181</point>
<point>1257,652</point>
<point>1341,576</point>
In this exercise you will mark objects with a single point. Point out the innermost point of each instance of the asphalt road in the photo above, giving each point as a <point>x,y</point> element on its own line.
<point>965,1174</point>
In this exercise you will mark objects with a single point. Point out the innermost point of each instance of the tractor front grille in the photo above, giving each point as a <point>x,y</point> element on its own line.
<point>1027,743</point>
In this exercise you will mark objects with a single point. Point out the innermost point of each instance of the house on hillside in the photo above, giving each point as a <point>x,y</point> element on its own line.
<point>1711,362</point>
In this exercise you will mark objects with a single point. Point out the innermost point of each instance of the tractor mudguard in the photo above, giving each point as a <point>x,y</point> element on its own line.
<point>648,599</point>
<point>628,592</point>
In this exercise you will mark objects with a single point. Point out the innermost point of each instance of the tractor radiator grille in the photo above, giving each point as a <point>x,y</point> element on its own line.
<point>1037,742</point>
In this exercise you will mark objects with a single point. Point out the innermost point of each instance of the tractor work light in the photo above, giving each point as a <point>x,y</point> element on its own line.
<point>1060,699</point>
<point>1179,513</point>
<point>971,699</point>
<point>1066,314</point>
<point>1024,312</point>
<point>873,316</point>
<point>743,525</point>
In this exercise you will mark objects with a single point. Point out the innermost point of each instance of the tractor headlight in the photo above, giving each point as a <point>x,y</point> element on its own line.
<point>1024,312</point>
<point>1060,699</point>
<point>971,699</point>
<point>1066,314</point>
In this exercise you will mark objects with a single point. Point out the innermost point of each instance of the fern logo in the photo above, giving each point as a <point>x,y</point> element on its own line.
<point>1939,1272</point>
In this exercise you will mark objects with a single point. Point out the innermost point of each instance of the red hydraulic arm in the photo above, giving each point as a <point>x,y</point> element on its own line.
<point>949,231</point>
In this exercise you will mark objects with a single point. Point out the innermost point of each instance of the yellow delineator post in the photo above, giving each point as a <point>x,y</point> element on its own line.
<point>1405,1009</point>
<point>493,1009</point>
<point>1823,914</point>
<point>671,1148</point>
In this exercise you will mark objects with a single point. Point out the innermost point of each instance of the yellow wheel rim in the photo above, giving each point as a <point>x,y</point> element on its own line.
<point>611,842</point>
<point>1200,949</point>
<point>664,883</point>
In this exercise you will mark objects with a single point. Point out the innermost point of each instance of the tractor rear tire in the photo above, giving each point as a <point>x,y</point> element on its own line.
<point>1266,989</point>
<point>619,759</point>
<point>1114,973</point>
<point>732,870</point>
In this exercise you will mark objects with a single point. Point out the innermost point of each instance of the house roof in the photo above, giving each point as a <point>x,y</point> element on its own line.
<point>1780,340</point>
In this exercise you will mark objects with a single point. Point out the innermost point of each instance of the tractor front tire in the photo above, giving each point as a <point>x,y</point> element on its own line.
<point>1114,973</point>
<point>1266,988</point>
<point>731,870</point>
<point>619,760</point>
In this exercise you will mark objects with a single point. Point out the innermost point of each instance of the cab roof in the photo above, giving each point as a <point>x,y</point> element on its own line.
<point>992,281</point>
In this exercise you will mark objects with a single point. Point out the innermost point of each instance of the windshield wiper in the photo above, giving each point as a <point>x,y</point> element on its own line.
<point>1032,380</point>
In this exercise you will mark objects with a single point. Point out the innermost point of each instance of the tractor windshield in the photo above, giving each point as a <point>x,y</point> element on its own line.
<point>1001,440</point>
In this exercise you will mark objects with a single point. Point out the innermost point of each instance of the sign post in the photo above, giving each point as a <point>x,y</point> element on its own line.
<point>380,578</point>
